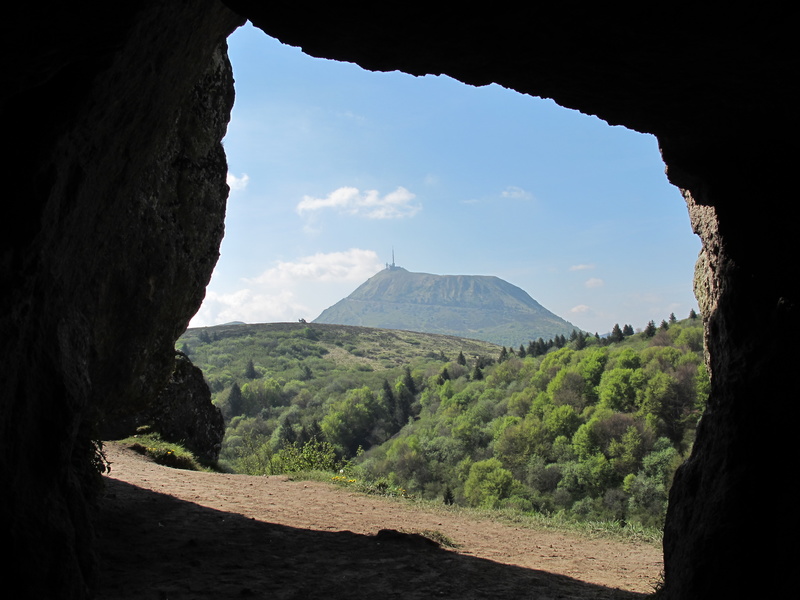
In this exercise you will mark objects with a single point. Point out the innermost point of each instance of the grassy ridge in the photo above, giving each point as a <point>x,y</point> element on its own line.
<point>282,349</point>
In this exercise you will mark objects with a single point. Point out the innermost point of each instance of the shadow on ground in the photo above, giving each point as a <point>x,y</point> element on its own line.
<point>152,545</point>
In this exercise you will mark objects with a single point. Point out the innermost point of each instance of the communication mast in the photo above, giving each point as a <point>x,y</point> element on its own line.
<point>391,266</point>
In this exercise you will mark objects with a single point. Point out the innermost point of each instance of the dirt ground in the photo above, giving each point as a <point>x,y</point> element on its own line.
<point>170,534</point>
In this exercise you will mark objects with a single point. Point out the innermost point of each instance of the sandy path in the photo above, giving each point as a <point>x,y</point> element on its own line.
<point>165,533</point>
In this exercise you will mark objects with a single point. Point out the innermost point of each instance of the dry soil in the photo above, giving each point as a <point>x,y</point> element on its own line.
<point>171,534</point>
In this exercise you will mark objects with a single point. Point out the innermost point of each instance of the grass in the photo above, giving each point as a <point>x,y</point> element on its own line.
<point>558,522</point>
<point>163,453</point>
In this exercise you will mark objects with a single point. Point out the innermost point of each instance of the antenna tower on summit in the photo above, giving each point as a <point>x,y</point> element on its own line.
<point>392,265</point>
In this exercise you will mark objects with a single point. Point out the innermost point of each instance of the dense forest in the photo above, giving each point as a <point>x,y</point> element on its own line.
<point>590,427</point>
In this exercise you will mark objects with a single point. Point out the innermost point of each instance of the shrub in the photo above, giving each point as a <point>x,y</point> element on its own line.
<point>488,483</point>
<point>311,456</point>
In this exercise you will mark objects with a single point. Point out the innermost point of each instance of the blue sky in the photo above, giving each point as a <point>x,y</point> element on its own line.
<point>331,167</point>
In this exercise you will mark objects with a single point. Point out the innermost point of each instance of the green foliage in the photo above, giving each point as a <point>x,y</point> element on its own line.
<point>313,455</point>
<point>162,452</point>
<point>98,458</point>
<point>588,432</point>
<point>650,330</point>
<point>488,483</point>
<point>619,387</point>
<point>351,422</point>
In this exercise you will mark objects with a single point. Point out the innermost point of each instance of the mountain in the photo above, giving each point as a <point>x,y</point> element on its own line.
<point>471,306</point>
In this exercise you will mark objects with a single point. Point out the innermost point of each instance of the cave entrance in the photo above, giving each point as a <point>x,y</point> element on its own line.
<point>332,166</point>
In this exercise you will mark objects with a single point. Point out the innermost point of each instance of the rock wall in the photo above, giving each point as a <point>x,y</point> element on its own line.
<point>116,178</point>
<point>181,413</point>
<point>114,214</point>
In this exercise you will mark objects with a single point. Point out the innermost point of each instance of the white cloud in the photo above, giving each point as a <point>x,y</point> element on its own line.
<point>368,204</point>
<point>237,183</point>
<point>580,309</point>
<point>300,288</point>
<point>352,265</point>
<point>250,306</point>
<point>594,282</point>
<point>516,193</point>
<point>584,267</point>
<point>512,192</point>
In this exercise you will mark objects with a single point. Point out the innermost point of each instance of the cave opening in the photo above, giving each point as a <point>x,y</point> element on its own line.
<point>117,93</point>
<point>331,166</point>
<point>639,220</point>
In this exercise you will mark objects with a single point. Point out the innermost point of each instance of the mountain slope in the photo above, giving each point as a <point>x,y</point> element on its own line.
<point>471,306</point>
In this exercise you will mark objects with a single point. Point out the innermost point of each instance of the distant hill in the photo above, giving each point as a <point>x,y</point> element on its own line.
<point>327,359</point>
<point>470,306</point>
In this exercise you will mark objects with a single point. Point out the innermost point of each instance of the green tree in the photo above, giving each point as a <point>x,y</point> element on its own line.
<point>250,371</point>
<point>627,452</point>
<point>389,399</point>
<point>618,388</point>
<point>262,393</point>
<point>664,398</point>
<point>350,422</point>
<point>650,330</point>
<point>562,421</point>
<point>503,355</point>
<point>408,381</point>
<point>235,401</point>
<point>580,342</point>
<point>591,368</point>
<point>568,387</point>
<point>404,400</point>
<point>488,483</point>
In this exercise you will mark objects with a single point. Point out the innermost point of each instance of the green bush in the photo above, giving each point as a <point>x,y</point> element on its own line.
<point>311,456</point>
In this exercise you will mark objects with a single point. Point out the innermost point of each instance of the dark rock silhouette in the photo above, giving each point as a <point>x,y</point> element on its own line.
<point>182,412</point>
<point>117,181</point>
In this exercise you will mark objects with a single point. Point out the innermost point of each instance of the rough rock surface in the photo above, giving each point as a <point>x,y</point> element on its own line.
<point>117,179</point>
<point>182,412</point>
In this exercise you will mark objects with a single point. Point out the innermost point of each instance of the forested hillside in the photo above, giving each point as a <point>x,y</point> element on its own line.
<point>590,427</point>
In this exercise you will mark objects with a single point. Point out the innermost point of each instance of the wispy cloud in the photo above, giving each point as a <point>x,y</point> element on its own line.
<point>580,309</point>
<point>583,267</point>
<point>275,295</point>
<point>368,204</point>
<point>351,265</point>
<point>237,183</point>
<point>514,192</point>
<point>594,282</point>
